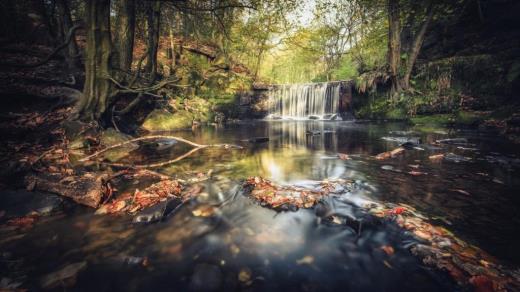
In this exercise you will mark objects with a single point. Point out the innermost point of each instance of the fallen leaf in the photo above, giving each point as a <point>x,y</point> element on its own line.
<point>482,283</point>
<point>388,249</point>
<point>306,260</point>
<point>244,275</point>
<point>436,158</point>
<point>343,156</point>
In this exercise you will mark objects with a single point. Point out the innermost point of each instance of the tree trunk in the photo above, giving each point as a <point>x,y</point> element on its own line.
<point>124,35</point>
<point>71,52</point>
<point>394,45</point>
<point>416,47</point>
<point>98,88</point>
<point>153,14</point>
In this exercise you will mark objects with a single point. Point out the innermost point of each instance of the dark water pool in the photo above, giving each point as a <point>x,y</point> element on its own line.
<point>244,246</point>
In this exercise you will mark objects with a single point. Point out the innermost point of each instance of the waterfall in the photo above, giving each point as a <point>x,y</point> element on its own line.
<point>313,100</point>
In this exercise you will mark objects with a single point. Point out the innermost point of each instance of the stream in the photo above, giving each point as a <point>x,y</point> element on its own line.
<point>473,192</point>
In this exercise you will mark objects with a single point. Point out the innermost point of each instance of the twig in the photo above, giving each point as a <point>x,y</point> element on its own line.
<point>156,137</point>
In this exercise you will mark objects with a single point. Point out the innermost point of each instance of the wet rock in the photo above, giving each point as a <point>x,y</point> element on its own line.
<point>331,117</point>
<point>65,277</point>
<point>314,118</point>
<point>21,203</point>
<point>86,189</point>
<point>453,141</point>
<point>157,212</point>
<point>165,144</point>
<point>404,140</point>
<point>161,120</point>
<point>313,133</point>
<point>257,140</point>
<point>456,158</point>
<point>273,117</point>
<point>206,278</point>
<point>111,137</point>
<point>402,133</point>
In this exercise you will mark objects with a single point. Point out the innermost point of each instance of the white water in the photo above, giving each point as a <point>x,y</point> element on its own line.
<point>303,100</point>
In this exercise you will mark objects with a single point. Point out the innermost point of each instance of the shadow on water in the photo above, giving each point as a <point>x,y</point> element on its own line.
<point>236,243</point>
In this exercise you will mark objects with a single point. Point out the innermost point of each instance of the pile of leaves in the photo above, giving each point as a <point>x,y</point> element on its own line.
<point>279,197</point>
<point>467,264</point>
<point>132,203</point>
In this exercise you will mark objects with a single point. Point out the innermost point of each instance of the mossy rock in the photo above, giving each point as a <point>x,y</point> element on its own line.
<point>111,137</point>
<point>161,121</point>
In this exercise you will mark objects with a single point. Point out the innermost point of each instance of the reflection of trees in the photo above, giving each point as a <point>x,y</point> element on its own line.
<point>290,134</point>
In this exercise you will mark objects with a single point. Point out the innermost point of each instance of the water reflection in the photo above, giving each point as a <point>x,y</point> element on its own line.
<point>223,239</point>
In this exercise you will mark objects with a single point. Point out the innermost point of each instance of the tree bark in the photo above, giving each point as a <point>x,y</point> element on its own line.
<point>124,35</point>
<point>98,88</point>
<point>71,52</point>
<point>394,46</point>
<point>416,47</point>
<point>153,13</point>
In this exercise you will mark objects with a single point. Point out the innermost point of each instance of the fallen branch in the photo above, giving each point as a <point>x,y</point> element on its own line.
<point>156,137</point>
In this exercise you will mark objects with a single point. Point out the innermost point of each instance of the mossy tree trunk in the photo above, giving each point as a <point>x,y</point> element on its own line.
<point>98,89</point>
<point>124,35</point>
<point>153,13</point>
<point>394,46</point>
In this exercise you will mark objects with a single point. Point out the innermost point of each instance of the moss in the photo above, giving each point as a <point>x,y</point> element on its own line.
<point>161,120</point>
<point>467,118</point>
<point>435,120</point>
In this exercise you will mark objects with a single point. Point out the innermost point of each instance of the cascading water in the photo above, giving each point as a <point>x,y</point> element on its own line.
<point>304,100</point>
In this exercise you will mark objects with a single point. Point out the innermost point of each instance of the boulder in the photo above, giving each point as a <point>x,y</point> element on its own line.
<point>162,120</point>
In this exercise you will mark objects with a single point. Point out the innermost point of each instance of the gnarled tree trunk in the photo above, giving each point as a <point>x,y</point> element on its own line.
<point>124,34</point>
<point>98,88</point>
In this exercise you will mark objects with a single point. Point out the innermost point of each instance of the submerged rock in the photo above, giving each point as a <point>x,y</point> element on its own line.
<point>157,212</point>
<point>65,277</point>
<point>257,140</point>
<point>456,158</point>
<point>404,140</point>
<point>111,137</point>
<point>21,203</point>
<point>453,141</point>
<point>206,278</point>
<point>331,117</point>
<point>162,120</point>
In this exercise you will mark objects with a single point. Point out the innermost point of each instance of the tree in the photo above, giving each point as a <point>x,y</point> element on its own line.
<point>153,14</point>
<point>394,46</point>
<point>416,47</point>
<point>71,53</point>
<point>98,88</point>
<point>124,34</point>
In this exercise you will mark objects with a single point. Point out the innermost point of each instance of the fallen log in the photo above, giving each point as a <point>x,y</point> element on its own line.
<point>87,189</point>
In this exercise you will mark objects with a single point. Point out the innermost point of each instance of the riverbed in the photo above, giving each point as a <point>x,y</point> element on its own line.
<point>242,245</point>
